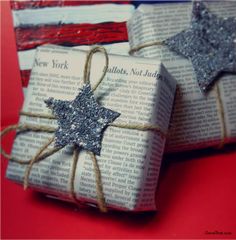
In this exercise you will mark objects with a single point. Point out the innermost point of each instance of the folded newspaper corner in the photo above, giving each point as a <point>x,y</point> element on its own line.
<point>141,90</point>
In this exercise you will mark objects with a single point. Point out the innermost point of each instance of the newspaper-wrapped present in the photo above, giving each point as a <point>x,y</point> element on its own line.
<point>141,90</point>
<point>198,121</point>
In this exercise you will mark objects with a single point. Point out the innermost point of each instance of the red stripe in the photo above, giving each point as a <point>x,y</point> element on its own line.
<point>18,5</point>
<point>70,34</point>
<point>25,76</point>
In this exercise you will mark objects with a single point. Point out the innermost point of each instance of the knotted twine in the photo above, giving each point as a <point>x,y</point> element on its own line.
<point>42,154</point>
<point>219,101</point>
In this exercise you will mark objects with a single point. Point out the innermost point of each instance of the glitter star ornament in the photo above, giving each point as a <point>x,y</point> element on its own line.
<point>210,44</point>
<point>81,121</point>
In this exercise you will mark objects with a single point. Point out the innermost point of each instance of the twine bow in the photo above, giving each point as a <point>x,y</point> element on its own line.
<point>43,153</point>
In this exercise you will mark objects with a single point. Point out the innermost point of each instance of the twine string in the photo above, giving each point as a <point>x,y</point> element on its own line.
<point>220,105</point>
<point>49,153</point>
<point>87,67</point>
<point>99,187</point>
<point>221,112</point>
<point>141,127</point>
<point>141,46</point>
<point>42,154</point>
<point>38,115</point>
<point>73,171</point>
<point>33,160</point>
<point>20,128</point>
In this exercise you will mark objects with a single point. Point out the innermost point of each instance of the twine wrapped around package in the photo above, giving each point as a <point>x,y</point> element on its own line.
<point>220,106</point>
<point>43,153</point>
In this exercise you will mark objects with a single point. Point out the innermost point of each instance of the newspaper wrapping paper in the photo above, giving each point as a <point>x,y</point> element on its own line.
<point>142,91</point>
<point>196,121</point>
<point>71,23</point>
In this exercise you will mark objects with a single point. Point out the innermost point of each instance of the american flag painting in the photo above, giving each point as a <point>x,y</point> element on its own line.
<point>78,24</point>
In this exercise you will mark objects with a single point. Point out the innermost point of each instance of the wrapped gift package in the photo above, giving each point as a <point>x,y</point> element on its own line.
<point>198,120</point>
<point>141,90</point>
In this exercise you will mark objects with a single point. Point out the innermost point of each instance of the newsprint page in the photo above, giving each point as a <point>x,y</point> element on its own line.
<point>197,121</point>
<point>140,90</point>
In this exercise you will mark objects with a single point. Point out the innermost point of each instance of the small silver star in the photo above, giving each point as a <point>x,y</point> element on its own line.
<point>209,43</point>
<point>81,121</point>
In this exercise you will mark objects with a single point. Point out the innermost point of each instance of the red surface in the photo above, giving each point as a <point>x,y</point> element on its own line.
<point>71,34</point>
<point>196,192</point>
<point>25,76</point>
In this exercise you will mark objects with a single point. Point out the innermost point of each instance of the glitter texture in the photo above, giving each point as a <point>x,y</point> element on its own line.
<point>210,43</point>
<point>81,121</point>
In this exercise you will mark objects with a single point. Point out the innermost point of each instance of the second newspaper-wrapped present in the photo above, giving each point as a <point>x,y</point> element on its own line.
<point>199,120</point>
<point>113,129</point>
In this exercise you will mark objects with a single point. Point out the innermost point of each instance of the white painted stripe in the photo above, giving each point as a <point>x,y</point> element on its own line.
<point>77,14</point>
<point>114,48</point>
<point>26,58</point>
<point>25,91</point>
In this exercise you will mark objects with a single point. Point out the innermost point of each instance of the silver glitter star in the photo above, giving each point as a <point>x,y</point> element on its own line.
<point>81,121</point>
<point>210,43</point>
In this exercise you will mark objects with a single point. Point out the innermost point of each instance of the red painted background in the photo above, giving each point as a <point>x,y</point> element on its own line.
<point>196,194</point>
